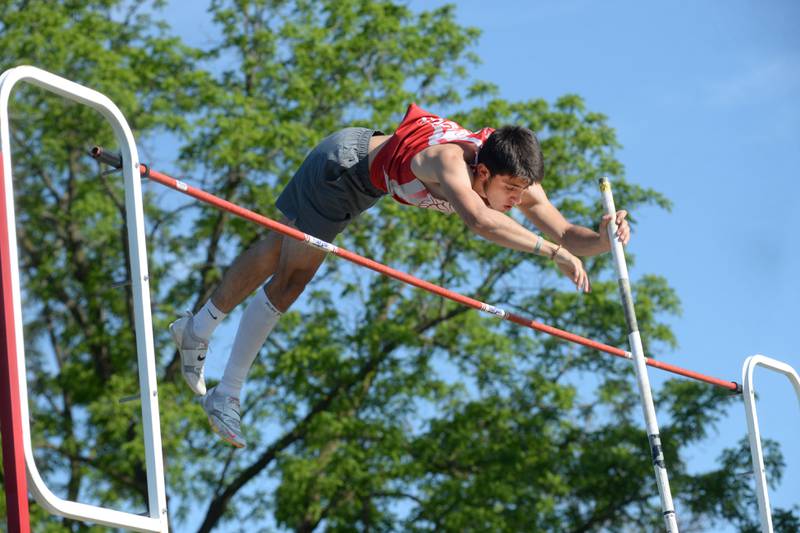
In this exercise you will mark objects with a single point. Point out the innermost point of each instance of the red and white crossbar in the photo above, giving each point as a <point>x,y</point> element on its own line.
<point>180,186</point>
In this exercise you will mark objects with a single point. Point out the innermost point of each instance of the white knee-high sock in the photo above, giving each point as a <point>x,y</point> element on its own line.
<point>206,320</point>
<point>257,322</point>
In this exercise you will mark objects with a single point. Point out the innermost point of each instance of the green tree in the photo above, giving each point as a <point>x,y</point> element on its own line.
<point>374,406</point>
<point>72,237</point>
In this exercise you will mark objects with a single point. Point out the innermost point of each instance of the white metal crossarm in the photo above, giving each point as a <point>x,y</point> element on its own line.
<point>156,518</point>
<point>753,431</point>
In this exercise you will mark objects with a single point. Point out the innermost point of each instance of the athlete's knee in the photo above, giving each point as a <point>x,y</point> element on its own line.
<point>286,286</point>
<point>298,279</point>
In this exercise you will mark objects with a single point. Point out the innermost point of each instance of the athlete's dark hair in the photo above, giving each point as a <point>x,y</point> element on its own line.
<point>514,151</point>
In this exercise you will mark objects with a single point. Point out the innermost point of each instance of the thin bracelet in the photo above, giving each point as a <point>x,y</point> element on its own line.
<point>555,252</point>
<point>538,247</point>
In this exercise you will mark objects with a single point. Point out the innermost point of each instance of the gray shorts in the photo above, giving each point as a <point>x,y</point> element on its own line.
<point>332,186</point>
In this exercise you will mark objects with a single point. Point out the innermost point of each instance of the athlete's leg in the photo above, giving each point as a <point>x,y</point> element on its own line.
<point>296,267</point>
<point>192,332</point>
<point>249,271</point>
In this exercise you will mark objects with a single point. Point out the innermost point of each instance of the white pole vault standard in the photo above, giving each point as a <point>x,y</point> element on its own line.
<point>643,380</point>
<point>753,431</point>
<point>156,518</point>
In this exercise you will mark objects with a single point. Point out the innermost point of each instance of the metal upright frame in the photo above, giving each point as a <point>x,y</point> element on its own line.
<point>15,414</point>
<point>753,430</point>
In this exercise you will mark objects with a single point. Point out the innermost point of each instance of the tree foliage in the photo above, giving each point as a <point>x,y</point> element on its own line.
<point>373,406</point>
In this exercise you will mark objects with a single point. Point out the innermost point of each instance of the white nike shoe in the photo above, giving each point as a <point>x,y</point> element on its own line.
<point>193,352</point>
<point>223,415</point>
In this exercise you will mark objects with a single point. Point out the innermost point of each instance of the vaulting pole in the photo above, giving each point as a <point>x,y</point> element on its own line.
<point>635,342</point>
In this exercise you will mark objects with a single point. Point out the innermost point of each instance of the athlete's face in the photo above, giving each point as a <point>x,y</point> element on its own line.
<point>500,191</point>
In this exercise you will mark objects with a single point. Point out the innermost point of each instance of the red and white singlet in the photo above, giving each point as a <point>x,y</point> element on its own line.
<point>419,129</point>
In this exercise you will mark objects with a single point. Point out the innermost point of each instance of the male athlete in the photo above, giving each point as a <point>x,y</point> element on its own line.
<point>429,162</point>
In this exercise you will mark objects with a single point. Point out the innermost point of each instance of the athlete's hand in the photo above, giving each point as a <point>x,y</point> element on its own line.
<point>623,229</point>
<point>572,267</point>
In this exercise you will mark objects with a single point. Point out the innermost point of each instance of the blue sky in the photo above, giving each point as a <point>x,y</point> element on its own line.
<point>704,98</point>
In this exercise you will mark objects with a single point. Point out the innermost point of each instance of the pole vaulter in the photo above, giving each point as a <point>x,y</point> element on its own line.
<point>115,161</point>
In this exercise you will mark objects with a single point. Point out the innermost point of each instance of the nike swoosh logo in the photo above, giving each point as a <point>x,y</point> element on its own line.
<point>201,357</point>
<point>212,314</point>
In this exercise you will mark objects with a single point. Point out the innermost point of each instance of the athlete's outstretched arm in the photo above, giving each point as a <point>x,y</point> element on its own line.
<point>445,164</point>
<point>578,239</point>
